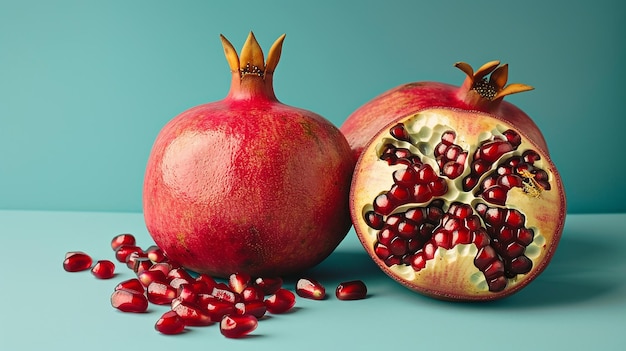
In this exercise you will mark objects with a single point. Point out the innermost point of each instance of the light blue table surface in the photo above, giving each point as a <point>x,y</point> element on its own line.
<point>578,303</point>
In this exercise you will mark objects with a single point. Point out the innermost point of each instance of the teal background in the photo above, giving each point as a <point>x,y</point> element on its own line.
<point>85,86</point>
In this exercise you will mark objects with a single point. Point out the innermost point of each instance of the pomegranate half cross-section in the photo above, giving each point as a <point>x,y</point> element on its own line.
<point>457,197</point>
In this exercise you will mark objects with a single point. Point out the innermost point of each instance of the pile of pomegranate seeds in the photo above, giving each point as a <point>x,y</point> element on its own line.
<point>236,304</point>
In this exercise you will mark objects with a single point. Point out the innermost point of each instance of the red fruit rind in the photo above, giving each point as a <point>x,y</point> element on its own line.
<point>439,265</point>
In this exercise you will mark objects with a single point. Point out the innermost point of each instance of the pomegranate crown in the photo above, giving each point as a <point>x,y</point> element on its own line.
<point>495,87</point>
<point>251,60</point>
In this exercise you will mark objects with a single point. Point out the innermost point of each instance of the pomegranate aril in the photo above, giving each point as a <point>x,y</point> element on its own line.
<point>399,132</point>
<point>192,315</point>
<point>123,252</point>
<point>269,285</point>
<point>351,290</point>
<point>223,292</point>
<point>383,204</point>
<point>155,254</point>
<point>177,282</point>
<point>103,269</point>
<point>520,265</point>
<point>161,293</point>
<point>252,293</point>
<point>237,326</point>
<point>310,289</point>
<point>179,273</point>
<point>131,284</point>
<point>207,281</point>
<point>122,239</point>
<point>374,220</point>
<point>129,301</point>
<point>76,261</point>
<point>186,293</point>
<point>280,302</point>
<point>216,308</point>
<point>170,323</point>
<point>164,267</point>
<point>147,277</point>
<point>238,281</point>
<point>255,308</point>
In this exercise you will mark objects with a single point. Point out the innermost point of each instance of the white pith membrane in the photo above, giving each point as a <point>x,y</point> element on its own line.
<point>451,272</point>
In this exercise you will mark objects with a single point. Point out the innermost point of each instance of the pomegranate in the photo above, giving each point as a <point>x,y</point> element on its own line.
<point>455,195</point>
<point>248,184</point>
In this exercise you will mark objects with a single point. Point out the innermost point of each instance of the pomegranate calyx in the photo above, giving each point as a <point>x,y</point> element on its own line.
<point>251,61</point>
<point>480,91</point>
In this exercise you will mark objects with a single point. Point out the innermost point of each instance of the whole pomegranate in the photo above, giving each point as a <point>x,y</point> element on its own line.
<point>454,194</point>
<point>248,184</point>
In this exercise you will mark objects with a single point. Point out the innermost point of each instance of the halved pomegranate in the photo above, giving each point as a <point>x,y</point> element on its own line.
<point>456,197</point>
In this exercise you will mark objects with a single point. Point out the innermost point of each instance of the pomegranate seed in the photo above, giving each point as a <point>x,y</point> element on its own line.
<point>129,301</point>
<point>310,289</point>
<point>122,239</point>
<point>238,281</point>
<point>149,276</point>
<point>207,281</point>
<point>103,269</point>
<point>222,292</point>
<point>234,326</point>
<point>76,261</point>
<point>186,293</point>
<point>255,308</point>
<point>215,307</point>
<point>161,266</point>
<point>131,284</point>
<point>177,282</point>
<point>123,252</point>
<point>179,273</point>
<point>192,315</point>
<point>252,293</point>
<point>269,285</point>
<point>155,254</point>
<point>170,323</point>
<point>161,293</point>
<point>352,290</point>
<point>280,302</point>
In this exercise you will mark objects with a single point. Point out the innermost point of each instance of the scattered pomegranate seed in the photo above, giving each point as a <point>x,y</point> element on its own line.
<point>149,276</point>
<point>164,267</point>
<point>310,289</point>
<point>280,302</point>
<point>252,293</point>
<point>216,308</point>
<point>352,290</point>
<point>76,261</point>
<point>179,273</point>
<point>255,308</point>
<point>131,284</point>
<point>233,326</point>
<point>238,281</point>
<point>161,293</point>
<point>269,285</point>
<point>123,252</point>
<point>103,269</point>
<point>122,239</point>
<point>186,293</point>
<point>129,301</point>
<point>170,323</point>
<point>155,254</point>
<point>223,292</point>
<point>192,315</point>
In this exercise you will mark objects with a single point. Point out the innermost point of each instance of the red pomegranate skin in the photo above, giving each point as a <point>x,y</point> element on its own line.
<point>365,122</point>
<point>248,184</point>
